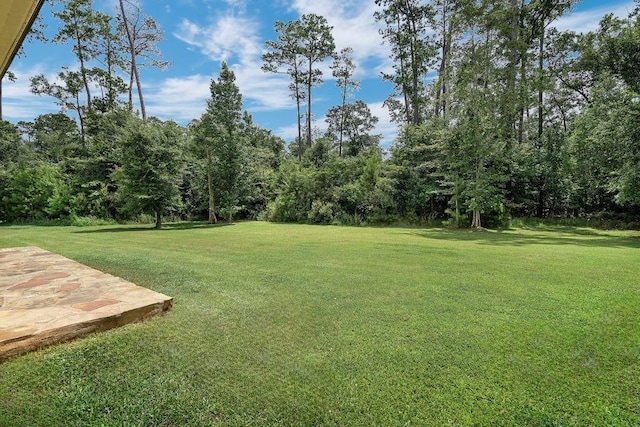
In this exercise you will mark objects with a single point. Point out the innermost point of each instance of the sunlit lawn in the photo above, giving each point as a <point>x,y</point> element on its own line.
<point>307,325</point>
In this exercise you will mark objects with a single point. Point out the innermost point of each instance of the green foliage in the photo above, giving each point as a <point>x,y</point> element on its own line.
<point>295,193</point>
<point>334,190</point>
<point>353,122</point>
<point>321,212</point>
<point>300,46</point>
<point>10,143</point>
<point>33,192</point>
<point>406,30</point>
<point>220,145</point>
<point>53,137</point>
<point>604,142</point>
<point>151,161</point>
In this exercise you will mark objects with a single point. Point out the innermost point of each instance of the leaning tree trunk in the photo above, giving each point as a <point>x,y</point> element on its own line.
<point>134,66</point>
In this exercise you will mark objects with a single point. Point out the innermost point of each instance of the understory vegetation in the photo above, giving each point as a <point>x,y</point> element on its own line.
<point>286,324</point>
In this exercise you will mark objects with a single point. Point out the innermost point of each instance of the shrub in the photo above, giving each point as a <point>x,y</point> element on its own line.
<point>321,212</point>
<point>34,192</point>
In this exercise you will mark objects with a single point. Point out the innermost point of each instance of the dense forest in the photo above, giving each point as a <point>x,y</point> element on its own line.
<point>501,114</point>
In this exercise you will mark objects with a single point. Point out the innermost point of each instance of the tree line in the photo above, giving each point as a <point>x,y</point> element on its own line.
<point>500,113</point>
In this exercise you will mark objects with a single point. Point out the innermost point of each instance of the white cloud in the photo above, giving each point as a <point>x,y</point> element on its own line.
<point>583,22</point>
<point>260,91</point>
<point>18,103</point>
<point>235,39</point>
<point>228,37</point>
<point>242,4</point>
<point>180,99</point>
<point>353,26</point>
<point>288,133</point>
<point>385,126</point>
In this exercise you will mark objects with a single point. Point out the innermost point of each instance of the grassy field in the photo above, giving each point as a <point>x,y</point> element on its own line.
<point>298,325</point>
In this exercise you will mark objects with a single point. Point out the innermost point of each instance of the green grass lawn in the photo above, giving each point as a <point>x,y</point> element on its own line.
<point>300,325</point>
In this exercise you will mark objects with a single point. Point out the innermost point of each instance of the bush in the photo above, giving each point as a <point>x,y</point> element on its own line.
<point>284,209</point>
<point>321,212</point>
<point>34,192</point>
<point>85,221</point>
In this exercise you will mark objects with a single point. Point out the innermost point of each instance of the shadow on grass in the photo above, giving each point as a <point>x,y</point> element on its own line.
<point>166,227</point>
<point>535,236</point>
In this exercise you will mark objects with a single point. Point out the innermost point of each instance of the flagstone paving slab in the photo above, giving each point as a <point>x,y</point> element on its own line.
<point>46,298</point>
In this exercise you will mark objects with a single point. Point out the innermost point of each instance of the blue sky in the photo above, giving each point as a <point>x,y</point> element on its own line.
<point>199,34</point>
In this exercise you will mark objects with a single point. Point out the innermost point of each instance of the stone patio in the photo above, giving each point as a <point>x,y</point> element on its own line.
<point>46,299</point>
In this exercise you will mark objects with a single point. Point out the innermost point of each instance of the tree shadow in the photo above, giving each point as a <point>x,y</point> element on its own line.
<point>173,226</point>
<point>562,235</point>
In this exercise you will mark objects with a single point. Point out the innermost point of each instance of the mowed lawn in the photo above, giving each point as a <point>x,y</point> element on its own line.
<point>299,325</point>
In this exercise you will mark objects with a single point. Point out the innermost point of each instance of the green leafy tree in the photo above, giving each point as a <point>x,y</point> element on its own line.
<point>11,147</point>
<point>53,137</point>
<point>356,122</point>
<point>151,164</point>
<point>264,154</point>
<point>316,45</point>
<point>67,92</point>
<point>92,174</point>
<point>343,69</point>
<point>33,191</point>
<point>301,45</point>
<point>80,25</point>
<point>218,142</point>
<point>447,23</point>
<point>295,193</point>
<point>92,41</point>
<point>413,51</point>
<point>421,171</point>
<point>284,56</point>
<point>474,150</point>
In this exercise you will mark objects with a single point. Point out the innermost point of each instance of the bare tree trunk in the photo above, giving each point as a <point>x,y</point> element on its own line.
<point>415,78</point>
<point>476,222</point>
<point>309,81</point>
<point>541,85</point>
<point>158,220</point>
<point>447,40</point>
<point>212,206</point>
<point>342,115</point>
<point>298,98</point>
<point>299,123</point>
<point>131,89</point>
<point>521,111</point>
<point>83,71</point>
<point>405,93</point>
<point>134,66</point>
<point>541,179</point>
<point>83,136</point>
<point>143,110</point>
